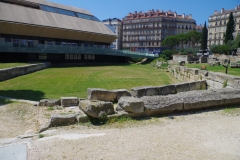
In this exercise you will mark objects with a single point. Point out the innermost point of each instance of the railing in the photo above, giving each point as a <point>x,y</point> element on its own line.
<point>63,49</point>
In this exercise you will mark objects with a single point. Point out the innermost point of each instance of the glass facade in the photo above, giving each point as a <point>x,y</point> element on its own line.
<point>68,13</point>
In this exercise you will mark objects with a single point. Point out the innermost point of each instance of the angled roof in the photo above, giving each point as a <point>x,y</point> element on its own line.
<point>20,14</point>
<point>48,3</point>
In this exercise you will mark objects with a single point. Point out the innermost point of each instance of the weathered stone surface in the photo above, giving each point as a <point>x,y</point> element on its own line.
<point>69,101</point>
<point>165,90</point>
<point>130,104</point>
<point>163,104</point>
<point>194,85</point>
<point>60,120</point>
<point>182,87</point>
<point>106,95</point>
<point>214,85</point>
<point>9,73</point>
<point>203,74</point>
<point>203,85</point>
<point>49,102</point>
<point>151,91</point>
<point>139,91</point>
<point>230,96</point>
<point>200,99</point>
<point>96,108</point>
<point>82,117</point>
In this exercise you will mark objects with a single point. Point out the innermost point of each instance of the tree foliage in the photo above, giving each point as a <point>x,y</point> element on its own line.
<point>231,45</point>
<point>192,37</point>
<point>204,37</point>
<point>230,29</point>
<point>170,41</point>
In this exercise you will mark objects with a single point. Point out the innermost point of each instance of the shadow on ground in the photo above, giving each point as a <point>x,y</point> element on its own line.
<point>23,94</point>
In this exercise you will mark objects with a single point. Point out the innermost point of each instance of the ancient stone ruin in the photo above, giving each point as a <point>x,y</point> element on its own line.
<point>150,100</point>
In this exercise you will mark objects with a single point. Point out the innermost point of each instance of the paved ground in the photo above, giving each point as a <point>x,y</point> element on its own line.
<point>13,152</point>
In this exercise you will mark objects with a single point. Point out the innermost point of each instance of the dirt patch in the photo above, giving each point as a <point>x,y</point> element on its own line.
<point>23,118</point>
<point>201,135</point>
<point>206,135</point>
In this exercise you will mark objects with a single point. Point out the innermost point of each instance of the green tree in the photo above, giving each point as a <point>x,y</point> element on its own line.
<point>182,39</point>
<point>230,29</point>
<point>204,38</point>
<point>194,37</point>
<point>170,41</point>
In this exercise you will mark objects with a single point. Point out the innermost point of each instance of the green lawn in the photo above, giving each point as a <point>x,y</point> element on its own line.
<point>9,65</point>
<point>74,81</point>
<point>232,71</point>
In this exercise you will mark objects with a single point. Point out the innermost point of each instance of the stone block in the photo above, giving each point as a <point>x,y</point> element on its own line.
<point>49,102</point>
<point>194,85</point>
<point>151,91</point>
<point>106,95</point>
<point>162,104</point>
<point>96,109</point>
<point>60,120</point>
<point>200,99</point>
<point>182,87</point>
<point>130,105</point>
<point>138,91</point>
<point>230,96</point>
<point>165,90</point>
<point>69,101</point>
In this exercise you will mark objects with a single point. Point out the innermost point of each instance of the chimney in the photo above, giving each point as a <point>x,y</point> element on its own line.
<point>136,12</point>
<point>183,15</point>
<point>237,7</point>
<point>166,13</point>
<point>222,10</point>
<point>215,12</point>
<point>110,21</point>
<point>190,16</point>
<point>175,14</point>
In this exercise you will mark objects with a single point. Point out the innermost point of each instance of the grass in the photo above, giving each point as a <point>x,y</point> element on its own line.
<point>5,101</point>
<point>231,71</point>
<point>74,81</point>
<point>235,110</point>
<point>9,65</point>
<point>40,135</point>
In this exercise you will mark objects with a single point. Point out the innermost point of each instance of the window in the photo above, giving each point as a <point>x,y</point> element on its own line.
<point>73,56</point>
<point>8,40</point>
<point>89,56</point>
<point>68,13</point>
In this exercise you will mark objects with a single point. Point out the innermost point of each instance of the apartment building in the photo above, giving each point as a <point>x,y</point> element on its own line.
<point>145,31</point>
<point>217,25</point>
<point>115,25</point>
<point>199,28</point>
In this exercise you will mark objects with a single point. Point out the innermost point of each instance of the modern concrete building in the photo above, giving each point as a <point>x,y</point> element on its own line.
<point>115,25</point>
<point>145,31</point>
<point>40,30</point>
<point>217,24</point>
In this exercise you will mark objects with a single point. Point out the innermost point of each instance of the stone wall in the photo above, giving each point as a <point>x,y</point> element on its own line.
<point>215,80</point>
<point>186,58</point>
<point>9,73</point>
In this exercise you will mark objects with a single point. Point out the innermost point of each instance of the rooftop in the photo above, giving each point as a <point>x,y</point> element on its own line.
<point>157,13</point>
<point>223,11</point>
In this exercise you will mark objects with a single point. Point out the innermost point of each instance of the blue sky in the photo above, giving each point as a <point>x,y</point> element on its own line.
<point>103,9</point>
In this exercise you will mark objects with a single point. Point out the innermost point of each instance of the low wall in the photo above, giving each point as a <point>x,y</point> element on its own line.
<point>9,73</point>
<point>215,80</point>
<point>168,89</point>
<point>186,58</point>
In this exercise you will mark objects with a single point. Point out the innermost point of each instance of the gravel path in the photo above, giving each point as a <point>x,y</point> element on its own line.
<point>208,135</point>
